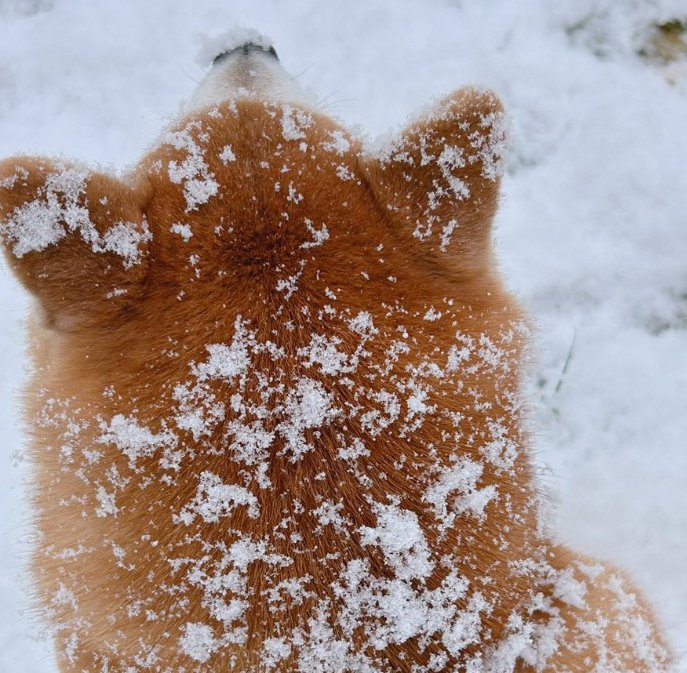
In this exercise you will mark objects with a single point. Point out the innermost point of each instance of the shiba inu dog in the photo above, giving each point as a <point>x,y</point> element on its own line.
<point>276,418</point>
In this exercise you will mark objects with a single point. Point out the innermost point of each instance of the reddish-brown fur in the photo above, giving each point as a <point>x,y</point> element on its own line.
<point>140,345</point>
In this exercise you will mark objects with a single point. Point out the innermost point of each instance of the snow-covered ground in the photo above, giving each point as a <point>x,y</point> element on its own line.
<point>592,232</point>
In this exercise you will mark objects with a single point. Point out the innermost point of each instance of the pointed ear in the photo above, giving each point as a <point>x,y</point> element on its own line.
<point>76,239</point>
<point>439,179</point>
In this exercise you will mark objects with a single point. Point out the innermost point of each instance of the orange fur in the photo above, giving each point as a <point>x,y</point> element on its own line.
<point>298,234</point>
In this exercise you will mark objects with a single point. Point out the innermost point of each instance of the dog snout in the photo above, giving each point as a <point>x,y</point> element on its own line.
<point>251,70</point>
<point>246,49</point>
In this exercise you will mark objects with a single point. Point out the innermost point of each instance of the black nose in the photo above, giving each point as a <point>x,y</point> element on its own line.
<point>246,49</point>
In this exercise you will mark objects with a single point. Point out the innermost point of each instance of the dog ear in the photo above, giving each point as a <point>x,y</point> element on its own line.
<point>76,239</point>
<point>439,179</point>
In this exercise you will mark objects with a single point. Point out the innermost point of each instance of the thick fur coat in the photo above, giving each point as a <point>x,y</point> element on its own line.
<point>276,418</point>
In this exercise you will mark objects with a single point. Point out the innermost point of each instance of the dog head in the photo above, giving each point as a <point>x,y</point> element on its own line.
<point>270,352</point>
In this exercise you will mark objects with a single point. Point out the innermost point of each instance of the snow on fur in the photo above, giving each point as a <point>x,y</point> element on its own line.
<point>243,395</point>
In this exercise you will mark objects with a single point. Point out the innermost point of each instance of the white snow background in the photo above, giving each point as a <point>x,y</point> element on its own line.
<point>591,234</point>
